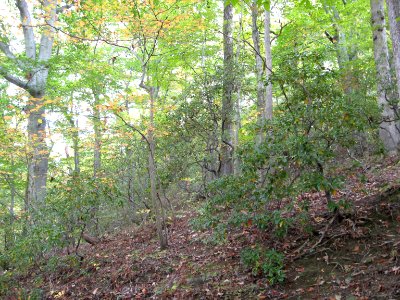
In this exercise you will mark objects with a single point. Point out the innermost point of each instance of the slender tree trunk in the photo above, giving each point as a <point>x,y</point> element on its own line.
<point>130,172</point>
<point>156,203</point>
<point>261,100</point>
<point>96,155</point>
<point>75,139</point>
<point>75,146</point>
<point>394,22</point>
<point>268,65</point>
<point>227,150</point>
<point>342,52</point>
<point>341,47</point>
<point>97,135</point>
<point>72,219</point>
<point>9,231</point>
<point>389,133</point>
<point>130,175</point>
<point>238,99</point>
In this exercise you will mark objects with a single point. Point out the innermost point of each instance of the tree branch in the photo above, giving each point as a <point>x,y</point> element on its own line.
<point>47,38</point>
<point>61,9</point>
<point>133,128</point>
<point>26,21</point>
<point>5,48</point>
<point>15,80</point>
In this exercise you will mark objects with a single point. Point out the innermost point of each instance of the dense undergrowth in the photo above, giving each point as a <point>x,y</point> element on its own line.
<point>324,258</point>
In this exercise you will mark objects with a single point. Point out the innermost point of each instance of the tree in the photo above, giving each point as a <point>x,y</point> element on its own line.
<point>394,23</point>
<point>227,95</point>
<point>261,90</point>
<point>263,67</point>
<point>268,62</point>
<point>31,75</point>
<point>389,132</point>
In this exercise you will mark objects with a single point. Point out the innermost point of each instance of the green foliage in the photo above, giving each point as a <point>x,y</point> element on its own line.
<point>269,263</point>
<point>342,204</point>
<point>61,222</point>
<point>322,111</point>
<point>313,124</point>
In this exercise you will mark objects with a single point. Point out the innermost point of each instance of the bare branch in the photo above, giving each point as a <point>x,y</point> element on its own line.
<point>98,39</point>
<point>133,128</point>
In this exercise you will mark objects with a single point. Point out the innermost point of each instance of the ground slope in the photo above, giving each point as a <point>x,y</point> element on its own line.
<point>354,256</point>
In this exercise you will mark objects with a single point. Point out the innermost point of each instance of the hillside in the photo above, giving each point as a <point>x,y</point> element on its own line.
<point>353,256</point>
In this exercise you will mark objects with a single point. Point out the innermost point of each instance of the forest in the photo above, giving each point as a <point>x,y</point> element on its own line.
<point>200,149</point>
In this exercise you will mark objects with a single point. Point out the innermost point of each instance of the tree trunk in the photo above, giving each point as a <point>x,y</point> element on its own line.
<point>97,135</point>
<point>36,70</point>
<point>238,99</point>
<point>9,230</point>
<point>389,133</point>
<point>75,138</point>
<point>340,43</point>
<point>75,146</point>
<point>96,156</point>
<point>261,101</point>
<point>268,65</point>
<point>38,154</point>
<point>227,97</point>
<point>156,203</point>
<point>342,52</point>
<point>130,175</point>
<point>394,22</point>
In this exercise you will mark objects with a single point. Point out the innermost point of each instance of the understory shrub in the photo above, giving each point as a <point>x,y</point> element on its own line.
<point>268,263</point>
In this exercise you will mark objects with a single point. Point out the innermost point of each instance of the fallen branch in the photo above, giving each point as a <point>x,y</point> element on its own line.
<point>90,239</point>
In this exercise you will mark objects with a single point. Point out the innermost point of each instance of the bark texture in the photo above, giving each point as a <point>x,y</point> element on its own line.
<point>394,22</point>
<point>261,91</point>
<point>36,70</point>
<point>268,65</point>
<point>238,99</point>
<point>157,205</point>
<point>389,133</point>
<point>340,44</point>
<point>97,135</point>
<point>227,97</point>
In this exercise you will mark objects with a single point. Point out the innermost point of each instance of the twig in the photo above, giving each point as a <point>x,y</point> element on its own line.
<point>320,239</point>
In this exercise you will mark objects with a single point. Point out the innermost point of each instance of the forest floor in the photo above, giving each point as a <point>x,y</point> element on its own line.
<point>355,257</point>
